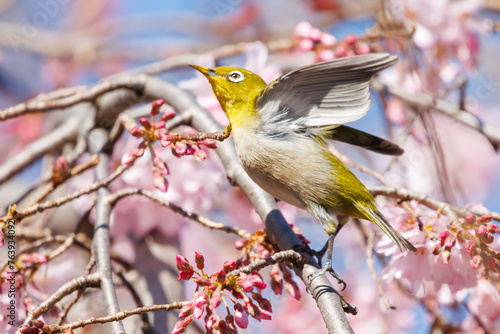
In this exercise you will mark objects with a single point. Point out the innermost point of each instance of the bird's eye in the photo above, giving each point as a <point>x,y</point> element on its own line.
<point>235,76</point>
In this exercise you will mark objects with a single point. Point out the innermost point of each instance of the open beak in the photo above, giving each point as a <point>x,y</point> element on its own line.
<point>204,70</point>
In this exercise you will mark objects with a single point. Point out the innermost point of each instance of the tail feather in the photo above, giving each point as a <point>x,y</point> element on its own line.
<point>376,217</point>
<point>362,139</point>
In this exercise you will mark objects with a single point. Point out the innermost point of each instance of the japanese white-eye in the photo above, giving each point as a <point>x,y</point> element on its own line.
<point>280,130</point>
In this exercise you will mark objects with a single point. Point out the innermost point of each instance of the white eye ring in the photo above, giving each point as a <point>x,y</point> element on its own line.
<point>235,76</point>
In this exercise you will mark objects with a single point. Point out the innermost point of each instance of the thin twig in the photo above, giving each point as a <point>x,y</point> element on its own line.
<point>121,315</point>
<point>87,281</point>
<point>40,207</point>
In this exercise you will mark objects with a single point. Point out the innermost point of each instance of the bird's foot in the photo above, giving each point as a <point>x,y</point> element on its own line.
<point>327,268</point>
<point>304,248</point>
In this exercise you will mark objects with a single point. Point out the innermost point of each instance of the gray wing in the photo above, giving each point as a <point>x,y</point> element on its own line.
<point>322,94</point>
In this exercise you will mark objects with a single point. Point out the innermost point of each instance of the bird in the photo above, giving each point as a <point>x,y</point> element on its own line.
<point>281,130</point>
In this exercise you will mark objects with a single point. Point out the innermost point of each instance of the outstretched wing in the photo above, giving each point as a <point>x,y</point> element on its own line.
<point>322,94</point>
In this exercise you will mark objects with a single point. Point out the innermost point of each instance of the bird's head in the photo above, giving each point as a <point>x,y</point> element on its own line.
<point>236,90</point>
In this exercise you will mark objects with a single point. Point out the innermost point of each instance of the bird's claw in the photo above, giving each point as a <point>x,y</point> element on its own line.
<point>324,270</point>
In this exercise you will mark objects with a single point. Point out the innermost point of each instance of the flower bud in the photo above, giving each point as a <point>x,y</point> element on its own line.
<point>199,155</point>
<point>436,250</point>
<point>137,132</point>
<point>128,159</point>
<point>240,316</point>
<point>229,266</point>
<point>167,115</point>
<point>350,39</point>
<point>239,244</point>
<point>476,261</point>
<point>155,107</point>
<point>199,259</point>
<point>446,255</point>
<point>160,125</point>
<point>186,310</point>
<point>484,219</point>
<point>328,39</point>
<point>145,123</point>
<point>221,276</point>
<point>180,148</point>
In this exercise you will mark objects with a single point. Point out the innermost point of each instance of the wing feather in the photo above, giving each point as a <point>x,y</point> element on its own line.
<point>323,94</point>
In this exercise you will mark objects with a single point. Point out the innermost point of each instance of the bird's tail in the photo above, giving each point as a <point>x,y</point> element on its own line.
<point>376,217</point>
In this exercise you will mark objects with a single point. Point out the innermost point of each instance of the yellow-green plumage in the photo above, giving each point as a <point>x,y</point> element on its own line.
<point>279,132</point>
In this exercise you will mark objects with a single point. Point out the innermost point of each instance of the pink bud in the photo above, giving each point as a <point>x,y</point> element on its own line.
<point>470,219</point>
<point>481,230</point>
<point>186,310</point>
<point>302,29</point>
<point>200,155</point>
<point>137,132</point>
<point>470,246</point>
<point>159,181</point>
<point>306,44</point>
<point>160,165</point>
<point>362,49</point>
<point>166,140</point>
<point>201,299</point>
<point>340,51</point>
<point>443,234</point>
<point>215,299</point>
<point>167,115</point>
<point>257,282</point>
<point>484,219</point>
<point>325,55</point>
<point>240,316</point>
<point>492,228</point>
<point>185,275</point>
<point>436,250</point>
<point>37,323</point>
<point>239,244</point>
<point>221,276</point>
<point>209,322</point>
<point>182,263</point>
<point>327,39</point>
<point>145,123</point>
<point>128,159</point>
<point>350,39</point>
<point>450,241</point>
<point>446,255</point>
<point>139,151</point>
<point>155,107</point>
<point>229,266</point>
<point>265,315</point>
<point>198,312</point>
<point>292,289</point>
<point>247,286</point>
<point>476,261</point>
<point>180,148</point>
<point>202,281</point>
<point>160,125</point>
<point>199,259</point>
<point>181,325</point>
